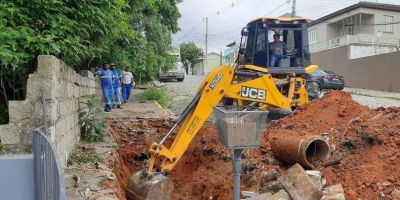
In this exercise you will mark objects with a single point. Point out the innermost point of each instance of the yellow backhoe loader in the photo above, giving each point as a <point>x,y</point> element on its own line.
<point>251,82</point>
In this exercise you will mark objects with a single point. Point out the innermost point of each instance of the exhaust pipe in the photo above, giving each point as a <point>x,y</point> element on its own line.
<point>302,150</point>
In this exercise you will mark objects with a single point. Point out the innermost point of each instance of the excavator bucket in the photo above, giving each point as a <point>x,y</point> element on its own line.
<point>156,187</point>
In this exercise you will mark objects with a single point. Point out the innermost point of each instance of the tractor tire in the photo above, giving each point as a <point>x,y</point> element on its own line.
<point>314,89</point>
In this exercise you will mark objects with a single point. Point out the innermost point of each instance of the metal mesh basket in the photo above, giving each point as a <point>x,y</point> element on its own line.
<point>239,129</point>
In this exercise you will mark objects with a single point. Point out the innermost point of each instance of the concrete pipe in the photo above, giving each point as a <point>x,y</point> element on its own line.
<point>302,150</point>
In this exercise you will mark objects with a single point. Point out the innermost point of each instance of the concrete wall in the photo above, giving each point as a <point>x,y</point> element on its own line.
<point>54,93</point>
<point>379,72</point>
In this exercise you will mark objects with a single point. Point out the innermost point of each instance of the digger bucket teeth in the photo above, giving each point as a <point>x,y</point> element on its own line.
<point>144,187</point>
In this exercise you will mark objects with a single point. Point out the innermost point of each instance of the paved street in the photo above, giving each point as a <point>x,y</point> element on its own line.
<point>181,93</point>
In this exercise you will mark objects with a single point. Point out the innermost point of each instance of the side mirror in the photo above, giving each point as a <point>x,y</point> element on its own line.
<point>244,32</point>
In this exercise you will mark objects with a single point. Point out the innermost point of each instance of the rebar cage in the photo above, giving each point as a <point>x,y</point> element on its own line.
<point>238,129</point>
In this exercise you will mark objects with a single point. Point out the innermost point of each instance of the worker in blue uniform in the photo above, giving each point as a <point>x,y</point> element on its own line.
<point>106,81</point>
<point>117,76</point>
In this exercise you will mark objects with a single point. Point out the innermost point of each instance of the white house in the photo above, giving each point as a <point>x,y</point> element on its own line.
<point>368,28</point>
<point>213,60</point>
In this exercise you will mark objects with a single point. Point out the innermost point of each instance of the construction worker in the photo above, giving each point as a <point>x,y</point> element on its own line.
<point>117,75</point>
<point>106,82</point>
<point>127,84</point>
<point>277,50</point>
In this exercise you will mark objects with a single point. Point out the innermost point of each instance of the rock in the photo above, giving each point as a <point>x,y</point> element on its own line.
<point>281,195</point>
<point>271,187</point>
<point>110,176</point>
<point>334,192</point>
<point>316,176</point>
<point>86,193</point>
<point>94,188</point>
<point>77,180</point>
<point>272,161</point>
<point>248,194</point>
<point>262,196</point>
<point>396,194</point>
<point>268,176</point>
<point>382,194</point>
<point>299,185</point>
<point>386,183</point>
<point>379,186</point>
<point>99,165</point>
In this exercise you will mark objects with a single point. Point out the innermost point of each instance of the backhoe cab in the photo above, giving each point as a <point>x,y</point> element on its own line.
<point>257,44</point>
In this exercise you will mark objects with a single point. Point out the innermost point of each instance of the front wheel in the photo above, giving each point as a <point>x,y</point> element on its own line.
<point>180,79</point>
<point>314,89</point>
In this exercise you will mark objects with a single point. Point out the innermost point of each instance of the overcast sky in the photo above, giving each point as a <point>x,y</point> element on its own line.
<point>227,17</point>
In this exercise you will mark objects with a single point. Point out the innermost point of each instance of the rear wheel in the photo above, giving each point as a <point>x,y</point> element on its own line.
<point>180,79</point>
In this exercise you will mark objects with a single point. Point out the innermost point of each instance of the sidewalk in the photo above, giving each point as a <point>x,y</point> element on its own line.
<point>97,180</point>
<point>373,93</point>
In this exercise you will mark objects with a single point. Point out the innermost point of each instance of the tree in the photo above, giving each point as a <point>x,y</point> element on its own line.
<point>84,33</point>
<point>190,55</point>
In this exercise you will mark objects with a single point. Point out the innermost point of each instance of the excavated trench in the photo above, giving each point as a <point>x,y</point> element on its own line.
<point>204,171</point>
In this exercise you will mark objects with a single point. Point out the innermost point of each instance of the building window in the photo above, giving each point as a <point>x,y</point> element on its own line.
<point>312,36</point>
<point>349,30</point>
<point>388,23</point>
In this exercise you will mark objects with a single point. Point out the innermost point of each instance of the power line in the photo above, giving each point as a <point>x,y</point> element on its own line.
<point>277,8</point>
<point>238,28</point>
<point>218,14</point>
<point>232,6</point>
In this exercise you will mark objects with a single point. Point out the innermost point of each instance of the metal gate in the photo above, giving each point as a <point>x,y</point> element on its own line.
<point>48,173</point>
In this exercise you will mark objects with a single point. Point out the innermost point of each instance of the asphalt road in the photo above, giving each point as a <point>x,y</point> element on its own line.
<point>180,94</point>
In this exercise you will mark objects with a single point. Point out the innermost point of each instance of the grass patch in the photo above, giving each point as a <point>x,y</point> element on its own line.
<point>79,156</point>
<point>154,94</point>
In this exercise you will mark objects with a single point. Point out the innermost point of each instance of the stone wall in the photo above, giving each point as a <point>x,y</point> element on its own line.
<point>53,100</point>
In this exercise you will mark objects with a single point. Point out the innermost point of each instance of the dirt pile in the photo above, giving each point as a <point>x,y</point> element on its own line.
<point>365,159</point>
<point>367,153</point>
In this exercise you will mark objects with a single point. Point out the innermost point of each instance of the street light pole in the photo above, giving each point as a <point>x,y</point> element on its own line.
<point>205,56</point>
<point>293,8</point>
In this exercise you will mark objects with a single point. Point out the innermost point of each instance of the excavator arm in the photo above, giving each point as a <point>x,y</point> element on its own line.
<point>217,85</point>
<point>245,86</point>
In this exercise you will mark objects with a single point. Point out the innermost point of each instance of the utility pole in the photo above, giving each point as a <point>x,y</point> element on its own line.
<point>205,56</point>
<point>293,8</point>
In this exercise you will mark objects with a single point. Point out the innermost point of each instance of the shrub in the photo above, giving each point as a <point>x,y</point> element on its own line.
<point>92,121</point>
<point>154,94</point>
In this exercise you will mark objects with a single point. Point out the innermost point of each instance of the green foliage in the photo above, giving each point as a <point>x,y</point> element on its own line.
<point>84,33</point>
<point>154,94</point>
<point>190,54</point>
<point>79,156</point>
<point>92,121</point>
<point>2,146</point>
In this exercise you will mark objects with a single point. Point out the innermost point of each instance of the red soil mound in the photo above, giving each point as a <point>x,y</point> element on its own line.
<point>366,154</point>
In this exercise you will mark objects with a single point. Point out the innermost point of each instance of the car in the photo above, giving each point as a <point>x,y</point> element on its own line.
<point>177,73</point>
<point>328,79</point>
